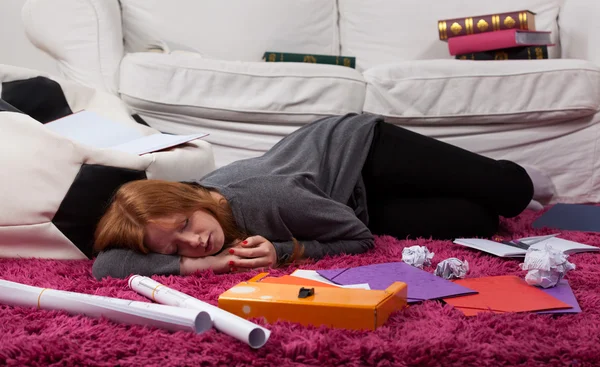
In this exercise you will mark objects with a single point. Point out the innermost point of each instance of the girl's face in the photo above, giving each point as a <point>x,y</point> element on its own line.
<point>198,235</point>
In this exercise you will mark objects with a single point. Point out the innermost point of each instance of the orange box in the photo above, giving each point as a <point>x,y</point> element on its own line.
<point>347,308</point>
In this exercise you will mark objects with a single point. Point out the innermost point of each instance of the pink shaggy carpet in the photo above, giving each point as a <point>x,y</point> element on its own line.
<point>427,334</point>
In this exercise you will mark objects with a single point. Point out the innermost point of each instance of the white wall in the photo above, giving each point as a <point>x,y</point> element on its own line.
<point>15,48</point>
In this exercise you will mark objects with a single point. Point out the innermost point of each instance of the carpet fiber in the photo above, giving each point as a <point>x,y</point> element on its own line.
<point>427,334</point>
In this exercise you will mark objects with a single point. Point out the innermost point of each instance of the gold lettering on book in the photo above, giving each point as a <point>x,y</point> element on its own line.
<point>529,53</point>
<point>509,22</point>
<point>521,21</point>
<point>442,26</point>
<point>272,57</point>
<point>469,25</point>
<point>525,24</point>
<point>482,25</point>
<point>310,59</point>
<point>500,55</point>
<point>455,28</point>
<point>495,22</point>
<point>539,53</point>
<point>347,62</point>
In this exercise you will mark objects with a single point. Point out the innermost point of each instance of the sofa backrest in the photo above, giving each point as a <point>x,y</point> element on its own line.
<point>89,38</point>
<point>376,31</point>
<point>386,31</point>
<point>233,29</point>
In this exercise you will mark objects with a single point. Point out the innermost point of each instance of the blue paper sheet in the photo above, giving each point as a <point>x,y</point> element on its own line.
<point>571,217</point>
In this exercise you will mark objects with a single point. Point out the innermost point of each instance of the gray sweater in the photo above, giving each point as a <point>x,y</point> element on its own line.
<point>308,186</point>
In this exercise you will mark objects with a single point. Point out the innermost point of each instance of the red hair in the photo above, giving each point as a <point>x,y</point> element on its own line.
<point>137,203</point>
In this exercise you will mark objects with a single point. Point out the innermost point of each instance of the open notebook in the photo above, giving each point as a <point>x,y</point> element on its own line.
<point>504,250</point>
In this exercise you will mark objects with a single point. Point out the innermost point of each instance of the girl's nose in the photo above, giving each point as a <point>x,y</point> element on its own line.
<point>195,240</point>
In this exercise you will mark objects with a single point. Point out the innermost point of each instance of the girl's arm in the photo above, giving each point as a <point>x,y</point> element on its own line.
<point>322,225</point>
<point>121,263</point>
<point>317,249</point>
<point>218,263</point>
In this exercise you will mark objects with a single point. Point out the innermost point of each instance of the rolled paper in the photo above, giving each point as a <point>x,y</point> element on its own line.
<point>116,309</point>
<point>417,256</point>
<point>248,332</point>
<point>452,268</point>
<point>546,266</point>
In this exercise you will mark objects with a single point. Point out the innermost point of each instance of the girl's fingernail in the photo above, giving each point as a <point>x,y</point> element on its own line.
<point>231,263</point>
<point>231,251</point>
<point>244,242</point>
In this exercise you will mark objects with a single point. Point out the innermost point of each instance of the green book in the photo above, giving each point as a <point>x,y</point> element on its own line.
<point>310,58</point>
<point>514,53</point>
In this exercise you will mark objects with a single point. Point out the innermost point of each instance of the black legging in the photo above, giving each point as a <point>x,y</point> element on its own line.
<point>421,187</point>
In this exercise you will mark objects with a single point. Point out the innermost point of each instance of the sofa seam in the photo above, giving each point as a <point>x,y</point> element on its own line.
<point>229,110</point>
<point>100,66</point>
<point>370,77</point>
<point>488,113</point>
<point>250,74</point>
<point>337,26</point>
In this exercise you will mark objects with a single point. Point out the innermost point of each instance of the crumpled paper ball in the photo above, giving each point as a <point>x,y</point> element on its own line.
<point>417,256</point>
<point>452,268</point>
<point>546,266</point>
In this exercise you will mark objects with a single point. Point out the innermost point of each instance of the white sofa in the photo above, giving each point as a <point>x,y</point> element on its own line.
<point>541,113</point>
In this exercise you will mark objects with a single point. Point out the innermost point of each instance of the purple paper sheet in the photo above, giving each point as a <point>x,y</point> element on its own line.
<point>563,292</point>
<point>421,284</point>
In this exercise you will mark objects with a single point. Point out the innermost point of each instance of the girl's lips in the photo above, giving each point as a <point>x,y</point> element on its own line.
<point>208,244</point>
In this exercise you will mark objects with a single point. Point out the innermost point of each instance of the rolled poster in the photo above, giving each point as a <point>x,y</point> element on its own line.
<point>226,322</point>
<point>117,309</point>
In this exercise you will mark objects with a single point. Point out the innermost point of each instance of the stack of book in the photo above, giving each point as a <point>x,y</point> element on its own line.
<point>504,36</point>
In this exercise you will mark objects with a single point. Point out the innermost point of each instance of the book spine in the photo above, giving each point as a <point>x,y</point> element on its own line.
<point>515,53</point>
<point>449,28</point>
<point>482,42</point>
<point>310,58</point>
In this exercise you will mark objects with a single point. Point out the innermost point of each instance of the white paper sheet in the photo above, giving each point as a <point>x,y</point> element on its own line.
<point>502,250</point>
<point>89,128</point>
<point>155,142</point>
<point>226,322</point>
<point>313,275</point>
<point>117,309</point>
<point>566,246</point>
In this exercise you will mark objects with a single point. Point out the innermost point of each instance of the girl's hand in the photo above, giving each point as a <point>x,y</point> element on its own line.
<point>254,252</point>
<point>221,263</point>
<point>224,262</point>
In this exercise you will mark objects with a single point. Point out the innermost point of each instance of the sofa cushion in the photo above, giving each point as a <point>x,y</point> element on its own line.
<point>233,29</point>
<point>479,92</point>
<point>278,93</point>
<point>389,31</point>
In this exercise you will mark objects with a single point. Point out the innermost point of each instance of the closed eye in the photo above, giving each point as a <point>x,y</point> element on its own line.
<point>185,224</point>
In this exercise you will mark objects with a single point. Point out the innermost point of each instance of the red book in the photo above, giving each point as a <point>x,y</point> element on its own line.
<point>522,19</point>
<point>497,40</point>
